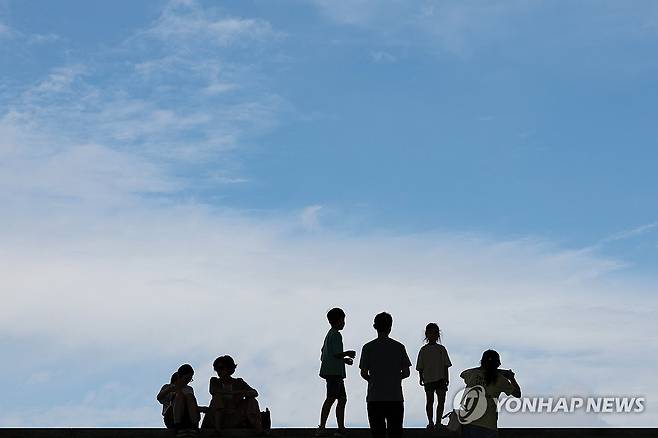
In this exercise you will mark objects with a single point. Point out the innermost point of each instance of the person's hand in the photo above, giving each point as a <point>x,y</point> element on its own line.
<point>350,353</point>
<point>508,374</point>
<point>348,360</point>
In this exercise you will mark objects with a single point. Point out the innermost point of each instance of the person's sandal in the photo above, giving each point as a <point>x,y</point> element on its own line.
<point>340,433</point>
<point>321,431</point>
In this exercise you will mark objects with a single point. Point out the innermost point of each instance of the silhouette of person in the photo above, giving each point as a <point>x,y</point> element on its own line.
<point>432,366</point>
<point>179,406</point>
<point>332,369</point>
<point>494,381</point>
<point>233,403</point>
<point>166,398</point>
<point>384,363</point>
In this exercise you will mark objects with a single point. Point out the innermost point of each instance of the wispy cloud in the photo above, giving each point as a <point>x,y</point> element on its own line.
<point>160,98</point>
<point>382,57</point>
<point>633,232</point>
<point>5,31</point>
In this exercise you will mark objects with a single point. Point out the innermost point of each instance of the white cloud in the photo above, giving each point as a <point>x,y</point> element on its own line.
<point>553,314</point>
<point>310,217</point>
<point>5,31</point>
<point>382,57</point>
<point>186,22</point>
<point>633,232</point>
<point>462,28</point>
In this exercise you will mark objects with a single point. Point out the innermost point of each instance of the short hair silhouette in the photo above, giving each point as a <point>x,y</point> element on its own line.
<point>225,361</point>
<point>335,315</point>
<point>432,326</point>
<point>383,322</point>
<point>174,377</point>
<point>186,368</point>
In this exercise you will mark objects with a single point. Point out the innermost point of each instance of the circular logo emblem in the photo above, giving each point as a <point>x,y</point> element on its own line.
<point>470,404</point>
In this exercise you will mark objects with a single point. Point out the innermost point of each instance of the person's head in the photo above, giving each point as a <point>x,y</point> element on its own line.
<point>383,323</point>
<point>490,362</point>
<point>224,366</point>
<point>174,377</point>
<point>432,333</point>
<point>185,373</point>
<point>336,318</point>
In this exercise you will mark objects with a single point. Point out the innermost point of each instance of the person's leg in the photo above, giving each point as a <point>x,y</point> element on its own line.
<point>193,410</point>
<point>377,419</point>
<point>340,413</point>
<point>169,418</point>
<point>429,407</point>
<point>186,412</point>
<point>333,394</point>
<point>440,404</point>
<point>340,407</point>
<point>252,414</point>
<point>324,413</point>
<point>394,419</point>
<point>180,408</point>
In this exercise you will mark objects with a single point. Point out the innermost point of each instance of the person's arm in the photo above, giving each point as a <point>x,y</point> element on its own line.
<point>405,369</point>
<point>343,354</point>
<point>363,364</point>
<point>420,367</point>
<point>516,389</point>
<point>515,384</point>
<point>247,390</point>
<point>164,392</point>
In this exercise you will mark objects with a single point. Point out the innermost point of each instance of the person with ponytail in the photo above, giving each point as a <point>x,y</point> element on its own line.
<point>432,366</point>
<point>495,381</point>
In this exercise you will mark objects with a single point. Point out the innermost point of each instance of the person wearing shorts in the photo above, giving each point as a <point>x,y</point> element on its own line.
<point>332,369</point>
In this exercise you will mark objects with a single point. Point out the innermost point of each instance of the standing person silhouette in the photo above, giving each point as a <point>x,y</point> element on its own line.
<point>332,369</point>
<point>494,381</point>
<point>384,363</point>
<point>432,365</point>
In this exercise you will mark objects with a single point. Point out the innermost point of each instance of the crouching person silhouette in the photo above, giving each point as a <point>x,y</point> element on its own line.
<point>233,404</point>
<point>494,381</point>
<point>179,406</point>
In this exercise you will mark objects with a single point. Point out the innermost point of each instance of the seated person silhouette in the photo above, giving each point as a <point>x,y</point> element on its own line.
<point>233,404</point>
<point>180,408</point>
<point>166,398</point>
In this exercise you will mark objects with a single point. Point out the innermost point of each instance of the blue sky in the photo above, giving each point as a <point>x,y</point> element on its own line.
<point>315,140</point>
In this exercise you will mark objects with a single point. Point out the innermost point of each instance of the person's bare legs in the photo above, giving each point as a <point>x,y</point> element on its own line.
<point>326,409</point>
<point>440,405</point>
<point>193,409</point>
<point>340,413</point>
<point>429,408</point>
<point>179,408</point>
<point>186,404</point>
<point>252,413</point>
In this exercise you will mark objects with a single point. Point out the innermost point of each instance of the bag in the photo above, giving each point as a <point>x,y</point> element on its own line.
<point>454,425</point>
<point>266,419</point>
